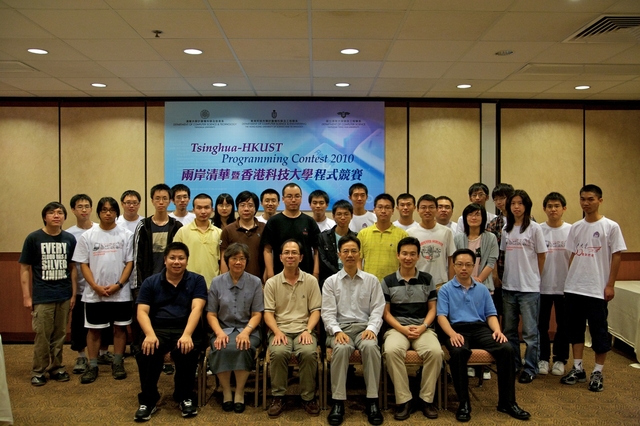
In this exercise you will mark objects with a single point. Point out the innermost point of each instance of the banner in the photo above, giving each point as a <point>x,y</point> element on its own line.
<point>217,147</point>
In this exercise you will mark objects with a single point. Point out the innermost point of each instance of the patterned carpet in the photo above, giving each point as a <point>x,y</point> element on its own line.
<point>110,402</point>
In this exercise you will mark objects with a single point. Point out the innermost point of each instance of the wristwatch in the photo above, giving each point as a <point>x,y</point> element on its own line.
<point>119,284</point>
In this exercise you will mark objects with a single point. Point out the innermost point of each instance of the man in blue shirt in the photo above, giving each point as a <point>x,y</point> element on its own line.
<point>468,319</point>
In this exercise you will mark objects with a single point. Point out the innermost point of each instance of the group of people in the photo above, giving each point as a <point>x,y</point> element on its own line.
<point>358,281</point>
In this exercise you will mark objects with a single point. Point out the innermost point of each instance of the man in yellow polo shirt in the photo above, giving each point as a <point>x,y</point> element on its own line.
<point>379,242</point>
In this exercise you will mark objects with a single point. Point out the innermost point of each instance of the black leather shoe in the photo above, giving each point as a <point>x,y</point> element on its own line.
<point>227,406</point>
<point>525,377</point>
<point>429,410</point>
<point>464,412</point>
<point>336,416</point>
<point>374,415</point>
<point>403,411</point>
<point>238,407</point>
<point>514,411</point>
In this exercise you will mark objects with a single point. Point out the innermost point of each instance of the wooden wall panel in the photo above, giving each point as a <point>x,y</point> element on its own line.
<point>541,152</point>
<point>155,152</point>
<point>395,152</point>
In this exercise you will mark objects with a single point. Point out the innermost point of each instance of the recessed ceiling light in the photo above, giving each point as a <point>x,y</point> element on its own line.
<point>349,51</point>
<point>98,85</point>
<point>504,52</point>
<point>193,51</point>
<point>220,84</point>
<point>342,84</point>
<point>463,86</point>
<point>38,51</point>
<point>582,87</point>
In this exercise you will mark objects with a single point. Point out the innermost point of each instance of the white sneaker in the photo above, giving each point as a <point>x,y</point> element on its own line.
<point>558,368</point>
<point>471,372</point>
<point>543,367</point>
<point>486,375</point>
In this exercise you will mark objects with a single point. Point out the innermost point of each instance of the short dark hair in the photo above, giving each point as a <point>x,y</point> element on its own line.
<point>458,252</point>
<point>384,196</point>
<point>317,194</point>
<point>291,240</point>
<point>474,207</point>
<point>236,248</point>
<point>341,204</point>
<point>269,191</point>
<point>348,238</point>
<point>180,187</point>
<point>477,187</point>
<point>409,241</point>
<point>554,196</point>
<point>592,188</point>
<point>79,197</point>
<point>246,196</point>
<point>502,190</point>
<point>161,187</point>
<point>291,185</point>
<point>444,197</point>
<point>176,245</point>
<point>112,201</point>
<point>53,205</point>
<point>130,192</point>
<point>405,196</point>
<point>428,197</point>
<point>203,196</point>
<point>358,186</point>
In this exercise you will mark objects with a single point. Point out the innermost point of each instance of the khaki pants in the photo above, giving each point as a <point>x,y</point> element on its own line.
<point>307,360</point>
<point>49,321</point>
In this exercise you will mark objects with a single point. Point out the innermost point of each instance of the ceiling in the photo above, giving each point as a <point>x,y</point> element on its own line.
<point>408,48</point>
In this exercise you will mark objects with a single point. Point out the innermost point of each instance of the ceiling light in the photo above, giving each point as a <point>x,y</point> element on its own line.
<point>193,51</point>
<point>98,85</point>
<point>342,84</point>
<point>38,51</point>
<point>582,87</point>
<point>463,86</point>
<point>504,52</point>
<point>220,84</point>
<point>349,51</point>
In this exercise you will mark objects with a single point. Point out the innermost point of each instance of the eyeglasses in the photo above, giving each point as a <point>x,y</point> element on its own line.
<point>131,203</point>
<point>478,194</point>
<point>237,260</point>
<point>293,197</point>
<point>347,251</point>
<point>290,253</point>
<point>463,265</point>
<point>107,211</point>
<point>243,206</point>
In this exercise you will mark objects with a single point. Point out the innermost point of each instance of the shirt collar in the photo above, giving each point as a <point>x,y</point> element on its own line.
<point>342,274</point>
<point>456,283</point>
<point>240,283</point>
<point>194,226</point>
<point>165,281</point>
<point>400,279</point>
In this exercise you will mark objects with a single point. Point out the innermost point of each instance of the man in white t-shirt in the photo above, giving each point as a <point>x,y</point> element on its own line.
<point>270,200</point>
<point>478,193</point>
<point>105,253</point>
<point>436,242</point>
<point>319,201</point>
<point>445,211</point>
<point>406,205</point>
<point>595,243</point>
<point>130,201</point>
<point>181,194</point>
<point>358,195</point>
<point>556,266</point>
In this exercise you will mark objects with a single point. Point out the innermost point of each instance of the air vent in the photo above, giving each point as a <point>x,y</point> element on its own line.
<point>15,66</point>
<point>609,29</point>
<point>574,70</point>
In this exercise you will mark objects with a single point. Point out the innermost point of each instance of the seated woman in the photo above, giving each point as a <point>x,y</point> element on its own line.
<point>234,312</point>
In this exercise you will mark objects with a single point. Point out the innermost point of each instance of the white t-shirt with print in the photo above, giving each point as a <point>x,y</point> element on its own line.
<point>521,271</point>
<point>326,224</point>
<point>184,220</point>
<point>436,246</point>
<point>405,227</point>
<point>358,223</point>
<point>77,232</point>
<point>129,224</point>
<point>556,265</point>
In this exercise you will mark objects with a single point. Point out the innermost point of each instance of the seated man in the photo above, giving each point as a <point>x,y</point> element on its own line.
<point>467,316</point>
<point>410,311</point>
<point>352,307</point>
<point>170,306</point>
<point>292,304</point>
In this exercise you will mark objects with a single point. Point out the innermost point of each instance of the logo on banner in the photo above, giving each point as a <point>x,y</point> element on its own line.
<point>343,114</point>
<point>274,114</point>
<point>204,113</point>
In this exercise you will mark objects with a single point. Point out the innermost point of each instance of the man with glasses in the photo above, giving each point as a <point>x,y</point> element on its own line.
<point>378,251</point>
<point>445,211</point>
<point>467,318</point>
<point>181,196</point>
<point>406,207</point>
<point>130,201</point>
<point>291,224</point>
<point>436,242</point>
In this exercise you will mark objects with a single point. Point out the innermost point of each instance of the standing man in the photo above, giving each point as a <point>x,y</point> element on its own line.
<point>181,194</point>
<point>445,211</point>
<point>436,242</point>
<point>105,253</point>
<point>358,194</point>
<point>291,224</point>
<point>130,201</point>
<point>410,311</point>
<point>352,307</point>
<point>48,281</point>
<point>292,303</point>
<point>203,240</point>
<point>478,193</point>
<point>596,244</point>
<point>468,321</point>
<point>270,199</point>
<point>406,207</point>
<point>170,307</point>
<point>330,262</point>
<point>319,201</point>
<point>379,241</point>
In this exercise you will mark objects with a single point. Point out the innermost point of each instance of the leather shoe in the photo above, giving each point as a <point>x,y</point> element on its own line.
<point>311,407</point>
<point>403,411</point>
<point>276,408</point>
<point>238,407</point>
<point>336,416</point>
<point>525,377</point>
<point>227,406</point>
<point>464,412</point>
<point>429,410</point>
<point>374,415</point>
<point>514,411</point>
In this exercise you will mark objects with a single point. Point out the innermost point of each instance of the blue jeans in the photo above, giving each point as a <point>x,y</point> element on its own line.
<point>518,303</point>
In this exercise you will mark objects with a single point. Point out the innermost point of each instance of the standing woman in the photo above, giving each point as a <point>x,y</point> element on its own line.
<point>224,212</point>
<point>234,312</point>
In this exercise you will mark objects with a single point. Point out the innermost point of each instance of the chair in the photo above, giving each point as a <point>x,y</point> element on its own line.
<point>479,357</point>
<point>412,359</point>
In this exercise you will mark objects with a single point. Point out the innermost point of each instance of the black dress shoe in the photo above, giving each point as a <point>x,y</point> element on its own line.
<point>238,407</point>
<point>526,377</point>
<point>336,416</point>
<point>227,406</point>
<point>514,411</point>
<point>464,412</point>
<point>403,411</point>
<point>374,415</point>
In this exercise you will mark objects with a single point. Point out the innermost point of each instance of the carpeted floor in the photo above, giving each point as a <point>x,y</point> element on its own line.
<point>110,402</point>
